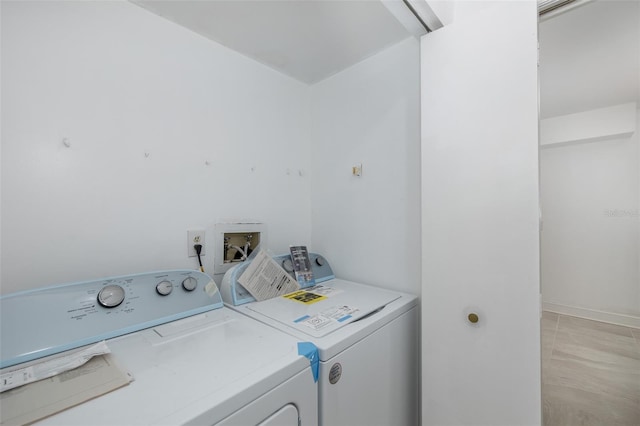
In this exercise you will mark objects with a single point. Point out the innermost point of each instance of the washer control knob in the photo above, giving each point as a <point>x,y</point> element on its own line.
<point>189,283</point>
<point>111,296</point>
<point>287,264</point>
<point>164,288</point>
<point>320,261</point>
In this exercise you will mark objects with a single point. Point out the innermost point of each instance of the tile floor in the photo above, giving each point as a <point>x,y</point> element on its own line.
<point>590,372</point>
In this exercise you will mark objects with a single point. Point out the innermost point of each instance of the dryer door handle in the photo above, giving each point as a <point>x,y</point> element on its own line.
<point>370,314</point>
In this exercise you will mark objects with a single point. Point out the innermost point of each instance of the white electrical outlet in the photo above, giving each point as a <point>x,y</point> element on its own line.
<point>195,236</point>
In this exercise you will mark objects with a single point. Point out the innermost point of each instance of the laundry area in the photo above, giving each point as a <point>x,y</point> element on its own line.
<point>225,212</point>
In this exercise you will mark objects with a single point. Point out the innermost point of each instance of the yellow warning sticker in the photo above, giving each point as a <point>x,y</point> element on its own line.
<point>305,297</point>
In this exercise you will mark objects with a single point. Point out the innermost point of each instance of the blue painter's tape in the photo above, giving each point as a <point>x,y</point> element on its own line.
<point>344,318</point>
<point>310,351</point>
<point>301,318</point>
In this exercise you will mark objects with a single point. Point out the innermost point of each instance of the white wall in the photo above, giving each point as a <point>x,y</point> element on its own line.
<point>119,82</point>
<point>369,225</point>
<point>613,122</point>
<point>590,240</point>
<point>480,245</point>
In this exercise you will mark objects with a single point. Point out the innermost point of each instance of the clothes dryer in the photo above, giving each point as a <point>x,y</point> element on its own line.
<point>367,340</point>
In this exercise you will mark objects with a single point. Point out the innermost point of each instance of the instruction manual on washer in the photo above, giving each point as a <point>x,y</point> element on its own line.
<point>265,279</point>
<point>43,398</point>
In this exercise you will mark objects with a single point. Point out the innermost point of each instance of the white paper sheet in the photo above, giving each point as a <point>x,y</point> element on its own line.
<point>34,401</point>
<point>50,366</point>
<point>265,279</point>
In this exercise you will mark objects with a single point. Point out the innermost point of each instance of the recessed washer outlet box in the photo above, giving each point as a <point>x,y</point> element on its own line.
<point>233,242</point>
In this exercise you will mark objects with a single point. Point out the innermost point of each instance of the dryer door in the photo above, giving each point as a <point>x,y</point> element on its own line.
<point>374,382</point>
<point>287,415</point>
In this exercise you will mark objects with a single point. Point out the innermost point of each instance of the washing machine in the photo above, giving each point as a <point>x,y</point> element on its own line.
<point>175,355</point>
<point>367,341</point>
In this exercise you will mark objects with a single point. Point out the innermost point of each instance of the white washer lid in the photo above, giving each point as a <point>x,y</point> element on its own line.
<point>206,366</point>
<point>323,309</point>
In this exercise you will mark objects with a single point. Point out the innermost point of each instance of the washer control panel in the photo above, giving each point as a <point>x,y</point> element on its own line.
<point>49,320</point>
<point>235,294</point>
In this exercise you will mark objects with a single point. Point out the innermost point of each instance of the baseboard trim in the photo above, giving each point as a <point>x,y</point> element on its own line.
<point>592,314</point>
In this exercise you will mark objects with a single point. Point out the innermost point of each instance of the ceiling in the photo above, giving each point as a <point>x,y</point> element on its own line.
<point>590,57</point>
<point>308,40</point>
<point>589,54</point>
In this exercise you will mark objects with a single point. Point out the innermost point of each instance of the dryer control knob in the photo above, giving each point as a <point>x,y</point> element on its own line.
<point>164,288</point>
<point>320,261</point>
<point>287,264</point>
<point>189,283</point>
<point>111,296</point>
